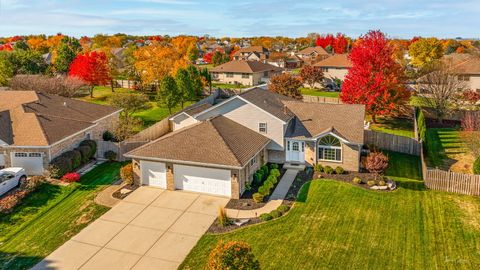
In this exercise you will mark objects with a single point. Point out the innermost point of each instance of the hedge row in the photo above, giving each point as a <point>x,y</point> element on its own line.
<point>268,183</point>
<point>72,160</point>
<point>421,124</point>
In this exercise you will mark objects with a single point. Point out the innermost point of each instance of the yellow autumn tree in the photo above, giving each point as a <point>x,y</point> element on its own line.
<point>37,43</point>
<point>154,62</point>
<point>425,51</point>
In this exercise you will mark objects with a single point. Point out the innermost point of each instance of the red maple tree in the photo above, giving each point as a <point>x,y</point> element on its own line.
<point>92,68</point>
<point>207,58</point>
<point>375,79</point>
<point>338,43</point>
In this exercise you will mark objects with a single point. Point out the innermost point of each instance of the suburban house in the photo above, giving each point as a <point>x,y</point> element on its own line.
<point>312,55</point>
<point>37,127</point>
<point>217,149</point>
<point>244,72</point>
<point>253,53</point>
<point>467,68</point>
<point>334,68</point>
<point>284,60</point>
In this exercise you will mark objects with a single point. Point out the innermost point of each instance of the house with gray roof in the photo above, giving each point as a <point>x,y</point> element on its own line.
<point>216,149</point>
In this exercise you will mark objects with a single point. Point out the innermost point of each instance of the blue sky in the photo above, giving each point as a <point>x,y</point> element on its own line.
<point>397,18</point>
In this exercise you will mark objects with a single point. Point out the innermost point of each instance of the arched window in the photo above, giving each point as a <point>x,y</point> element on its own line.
<point>329,149</point>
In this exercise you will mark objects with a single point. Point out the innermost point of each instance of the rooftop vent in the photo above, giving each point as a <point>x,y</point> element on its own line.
<point>65,104</point>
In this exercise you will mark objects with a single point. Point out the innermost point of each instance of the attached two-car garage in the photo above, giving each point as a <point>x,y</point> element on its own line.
<point>212,181</point>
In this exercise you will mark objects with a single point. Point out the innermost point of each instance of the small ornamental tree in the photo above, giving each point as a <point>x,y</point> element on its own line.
<point>311,75</point>
<point>92,68</point>
<point>126,174</point>
<point>168,94</point>
<point>471,97</point>
<point>471,131</point>
<point>287,85</point>
<point>234,255</point>
<point>375,79</point>
<point>377,163</point>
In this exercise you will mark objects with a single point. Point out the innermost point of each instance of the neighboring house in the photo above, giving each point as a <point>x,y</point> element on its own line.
<point>37,127</point>
<point>216,149</point>
<point>467,68</point>
<point>244,72</point>
<point>284,60</point>
<point>335,68</point>
<point>254,53</point>
<point>312,55</point>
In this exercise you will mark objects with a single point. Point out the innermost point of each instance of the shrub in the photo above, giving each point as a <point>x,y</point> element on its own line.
<point>257,178</point>
<point>108,136</point>
<point>248,186</point>
<point>275,172</point>
<point>476,166</point>
<point>265,217</point>
<point>273,166</point>
<point>7,203</point>
<point>357,180</point>
<point>339,170</point>
<point>328,170</point>
<point>283,208</point>
<point>110,155</point>
<point>264,169</point>
<point>272,179</point>
<point>371,183</point>
<point>268,184</point>
<point>126,173</point>
<point>76,158</point>
<point>257,197</point>
<point>85,151</point>
<point>93,147</point>
<point>275,213</point>
<point>377,163</point>
<point>223,220</point>
<point>264,190</point>
<point>33,183</point>
<point>381,183</point>
<point>71,177</point>
<point>318,167</point>
<point>232,255</point>
<point>58,167</point>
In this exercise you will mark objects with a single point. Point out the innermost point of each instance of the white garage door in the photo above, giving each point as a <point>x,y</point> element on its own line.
<point>204,180</point>
<point>32,162</point>
<point>153,173</point>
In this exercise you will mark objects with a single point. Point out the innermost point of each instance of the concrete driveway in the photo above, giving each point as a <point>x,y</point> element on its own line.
<point>150,229</point>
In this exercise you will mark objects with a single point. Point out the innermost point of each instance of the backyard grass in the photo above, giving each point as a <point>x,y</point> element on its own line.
<point>102,94</point>
<point>319,93</point>
<point>396,126</point>
<point>50,216</point>
<point>446,150</point>
<point>229,86</point>
<point>336,225</point>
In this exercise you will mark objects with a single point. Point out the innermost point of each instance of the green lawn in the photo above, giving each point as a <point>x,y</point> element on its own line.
<point>395,126</point>
<point>336,225</point>
<point>319,93</point>
<point>50,216</point>
<point>155,113</point>
<point>446,150</point>
<point>229,86</point>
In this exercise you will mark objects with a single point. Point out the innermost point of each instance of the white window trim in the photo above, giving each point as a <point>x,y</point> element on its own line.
<point>330,147</point>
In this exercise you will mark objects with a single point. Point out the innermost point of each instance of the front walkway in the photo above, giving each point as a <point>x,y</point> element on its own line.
<point>274,201</point>
<point>150,229</point>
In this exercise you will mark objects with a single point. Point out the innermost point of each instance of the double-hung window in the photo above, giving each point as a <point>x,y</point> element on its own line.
<point>329,149</point>
<point>262,127</point>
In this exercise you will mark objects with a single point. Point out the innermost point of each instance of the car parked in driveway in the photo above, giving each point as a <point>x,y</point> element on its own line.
<point>11,178</point>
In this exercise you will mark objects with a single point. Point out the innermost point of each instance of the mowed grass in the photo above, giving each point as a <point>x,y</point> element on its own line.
<point>229,86</point>
<point>50,216</point>
<point>319,93</point>
<point>150,116</point>
<point>336,225</point>
<point>446,150</point>
<point>396,126</point>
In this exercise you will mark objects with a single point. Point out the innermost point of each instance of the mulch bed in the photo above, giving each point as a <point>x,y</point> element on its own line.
<point>347,177</point>
<point>246,202</point>
<point>117,194</point>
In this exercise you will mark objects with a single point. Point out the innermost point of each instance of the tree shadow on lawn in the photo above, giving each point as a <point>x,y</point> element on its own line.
<point>13,261</point>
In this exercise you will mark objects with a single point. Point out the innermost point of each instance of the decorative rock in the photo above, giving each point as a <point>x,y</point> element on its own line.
<point>379,187</point>
<point>240,222</point>
<point>391,184</point>
<point>124,191</point>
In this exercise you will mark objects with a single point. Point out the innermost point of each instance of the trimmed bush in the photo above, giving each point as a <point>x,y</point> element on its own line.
<point>266,217</point>
<point>257,178</point>
<point>381,183</point>
<point>371,183</point>
<point>58,167</point>
<point>273,166</point>
<point>357,180</point>
<point>93,147</point>
<point>257,197</point>
<point>476,166</point>
<point>85,151</point>
<point>328,170</point>
<point>264,190</point>
<point>275,172</point>
<point>32,183</point>
<point>272,179</point>
<point>283,208</point>
<point>108,136</point>
<point>275,213</point>
<point>110,155</point>
<point>318,167</point>
<point>339,170</point>
<point>126,173</point>
<point>77,158</point>
<point>71,177</point>
<point>232,255</point>
<point>264,169</point>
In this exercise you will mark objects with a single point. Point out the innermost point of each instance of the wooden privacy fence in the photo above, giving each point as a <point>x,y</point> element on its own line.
<point>317,99</point>
<point>120,148</point>
<point>392,142</point>
<point>468,184</point>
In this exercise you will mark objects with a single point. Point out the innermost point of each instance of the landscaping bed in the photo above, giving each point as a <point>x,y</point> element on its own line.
<point>246,201</point>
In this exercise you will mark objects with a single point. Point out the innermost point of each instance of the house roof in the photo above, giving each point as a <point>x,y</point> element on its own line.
<point>269,101</point>
<point>463,63</point>
<point>314,119</point>
<point>242,66</point>
<point>218,141</point>
<point>197,109</point>
<point>336,60</point>
<point>251,49</point>
<point>39,119</point>
<point>310,50</point>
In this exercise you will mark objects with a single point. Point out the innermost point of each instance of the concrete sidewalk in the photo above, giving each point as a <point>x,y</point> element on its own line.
<point>274,201</point>
<point>150,229</point>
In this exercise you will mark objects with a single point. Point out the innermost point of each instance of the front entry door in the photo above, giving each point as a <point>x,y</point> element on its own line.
<point>295,151</point>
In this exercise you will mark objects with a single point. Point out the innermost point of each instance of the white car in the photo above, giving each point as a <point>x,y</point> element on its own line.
<point>11,178</point>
